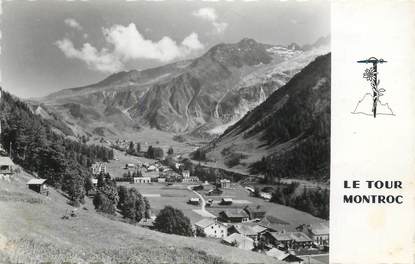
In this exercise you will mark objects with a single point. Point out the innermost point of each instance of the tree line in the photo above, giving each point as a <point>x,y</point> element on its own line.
<point>313,201</point>
<point>151,153</point>
<point>32,143</point>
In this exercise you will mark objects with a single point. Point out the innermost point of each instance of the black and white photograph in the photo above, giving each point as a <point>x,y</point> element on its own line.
<point>165,132</point>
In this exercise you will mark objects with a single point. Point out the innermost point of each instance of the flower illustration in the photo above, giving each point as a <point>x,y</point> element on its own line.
<point>369,74</point>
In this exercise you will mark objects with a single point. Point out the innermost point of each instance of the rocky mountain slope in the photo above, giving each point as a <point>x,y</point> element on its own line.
<point>288,135</point>
<point>203,96</point>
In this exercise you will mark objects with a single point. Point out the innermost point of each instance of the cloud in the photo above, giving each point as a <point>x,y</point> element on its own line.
<point>96,60</point>
<point>192,42</point>
<point>73,23</point>
<point>125,43</point>
<point>129,44</point>
<point>209,14</point>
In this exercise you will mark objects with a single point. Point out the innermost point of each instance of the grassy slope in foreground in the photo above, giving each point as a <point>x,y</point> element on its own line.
<point>32,231</point>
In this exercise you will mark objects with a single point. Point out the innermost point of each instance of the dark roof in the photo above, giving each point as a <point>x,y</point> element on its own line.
<point>300,237</point>
<point>292,258</point>
<point>280,236</point>
<point>233,213</point>
<point>36,181</point>
<point>255,209</point>
<point>273,223</point>
<point>319,229</point>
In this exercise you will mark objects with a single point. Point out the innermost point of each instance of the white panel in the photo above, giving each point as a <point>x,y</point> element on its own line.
<point>366,148</point>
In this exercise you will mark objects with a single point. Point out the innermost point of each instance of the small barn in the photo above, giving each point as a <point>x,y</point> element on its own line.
<point>38,185</point>
<point>194,201</point>
<point>226,201</point>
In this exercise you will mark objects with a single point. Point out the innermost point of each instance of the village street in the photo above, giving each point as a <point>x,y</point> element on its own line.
<point>202,211</point>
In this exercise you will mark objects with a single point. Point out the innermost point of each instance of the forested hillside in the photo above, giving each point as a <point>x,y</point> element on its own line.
<point>288,135</point>
<point>32,144</point>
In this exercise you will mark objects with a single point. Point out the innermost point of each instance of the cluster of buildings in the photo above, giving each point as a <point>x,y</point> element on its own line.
<point>250,228</point>
<point>157,172</point>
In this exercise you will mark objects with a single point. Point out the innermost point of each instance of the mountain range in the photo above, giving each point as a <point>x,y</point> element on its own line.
<point>201,96</point>
<point>286,136</point>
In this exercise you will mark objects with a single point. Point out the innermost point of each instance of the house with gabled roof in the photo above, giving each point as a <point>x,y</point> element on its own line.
<point>318,232</point>
<point>38,185</point>
<point>273,223</point>
<point>300,240</point>
<point>255,212</point>
<point>211,228</point>
<point>233,216</point>
<point>239,241</point>
<point>248,229</point>
<point>283,256</point>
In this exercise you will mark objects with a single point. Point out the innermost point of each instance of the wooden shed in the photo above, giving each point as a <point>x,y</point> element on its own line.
<point>38,185</point>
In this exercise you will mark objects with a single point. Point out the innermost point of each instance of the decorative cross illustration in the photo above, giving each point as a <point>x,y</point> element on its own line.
<point>371,75</point>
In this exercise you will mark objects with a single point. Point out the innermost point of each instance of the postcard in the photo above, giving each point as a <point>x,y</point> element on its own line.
<point>207,132</point>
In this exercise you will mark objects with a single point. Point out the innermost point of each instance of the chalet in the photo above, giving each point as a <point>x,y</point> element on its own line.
<point>273,224</point>
<point>99,168</point>
<point>38,185</point>
<point>283,256</point>
<point>225,184</point>
<point>239,241</point>
<point>194,201</point>
<point>141,180</point>
<point>211,228</point>
<point>288,240</point>
<point>301,240</point>
<point>186,174</point>
<point>281,240</point>
<point>255,212</point>
<point>6,168</point>
<point>318,232</point>
<point>250,230</point>
<point>226,201</point>
<point>233,216</point>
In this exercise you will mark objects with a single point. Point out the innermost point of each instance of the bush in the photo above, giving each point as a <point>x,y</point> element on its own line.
<point>103,204</point>
<point>234,160</point>
<point>132,204</point>
<point>173,221</point>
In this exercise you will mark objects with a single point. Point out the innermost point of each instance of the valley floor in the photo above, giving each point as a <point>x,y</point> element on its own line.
<point>32,231</point>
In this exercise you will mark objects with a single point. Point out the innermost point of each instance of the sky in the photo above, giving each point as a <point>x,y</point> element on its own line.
<point>50,45</point>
